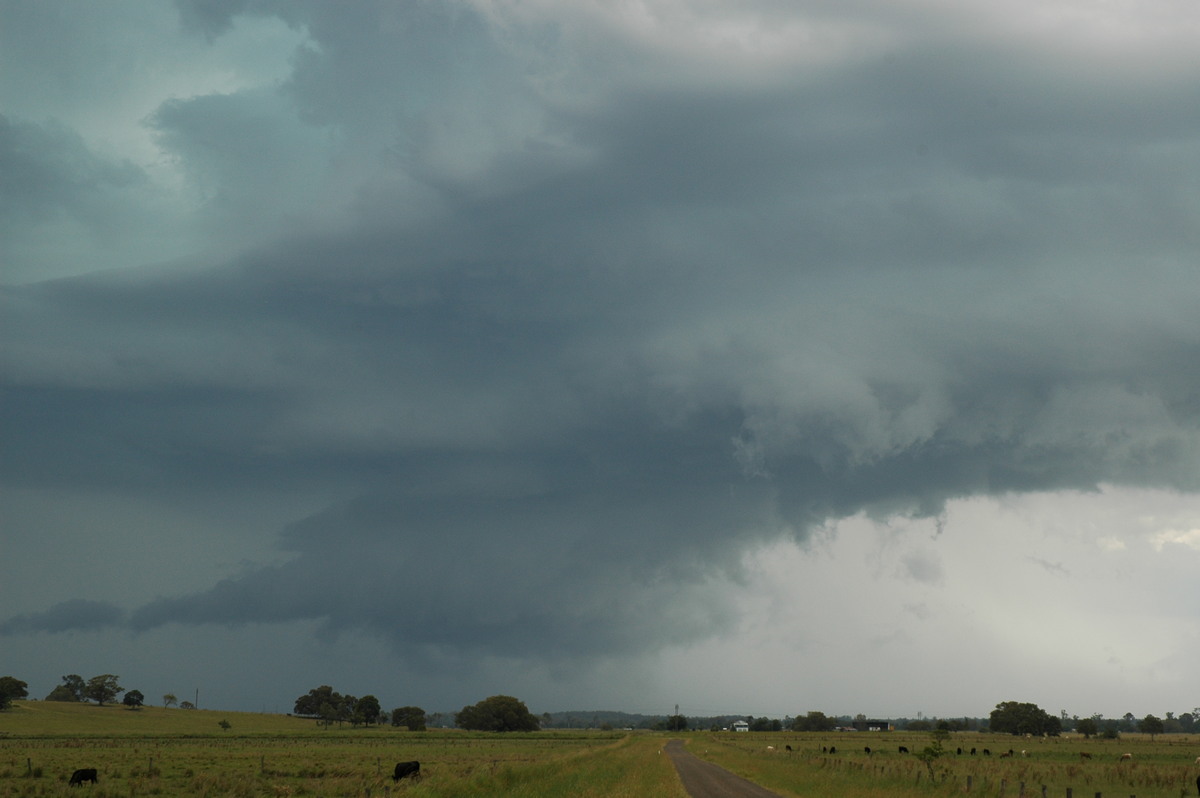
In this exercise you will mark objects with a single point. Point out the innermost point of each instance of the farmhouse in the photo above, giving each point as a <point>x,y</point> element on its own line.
<point>741,726</point>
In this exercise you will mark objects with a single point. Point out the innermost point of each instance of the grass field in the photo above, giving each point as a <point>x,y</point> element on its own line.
<point>173,752</point>
<point>1160,768</point>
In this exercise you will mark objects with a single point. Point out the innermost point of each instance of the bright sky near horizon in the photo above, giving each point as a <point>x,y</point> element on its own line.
<point>757,358</point>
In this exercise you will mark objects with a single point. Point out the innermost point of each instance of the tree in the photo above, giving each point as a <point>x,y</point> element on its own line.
<point>11,688</point>
<point>186,705</point>
<point>1013,717</point>
<point>1087,727</point>
<point>309,705</point>
<point>500,713</point>
<point>169,700</point>
<point>813,721</point>
<point>367,709</point>
<point>133,699</point>
<point>103,688</point>
<point>411,718</point>
<point>934,751</point>
<point>677,723</point>
<point>70,690</point>
<point>1150,725</point>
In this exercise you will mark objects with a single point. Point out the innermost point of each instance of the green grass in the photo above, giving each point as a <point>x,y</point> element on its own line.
<point>174,752</point>
<point>50,718</point>
<point>1161,768</point>
<point>161,752</point>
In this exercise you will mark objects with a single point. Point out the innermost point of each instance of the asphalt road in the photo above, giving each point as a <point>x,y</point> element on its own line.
<point>705,780</point>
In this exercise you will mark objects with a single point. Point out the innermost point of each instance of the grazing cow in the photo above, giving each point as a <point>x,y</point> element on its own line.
<point>1084,755</point>
<point>770,748</point>
<point>1198,760</point>
<point>903,750</point>
<point>1126,757</point>
<point>972,752</point>
<point>867,750</point>
<point>959,752</point>
<point>788,747</point>
<point>1005,754</point>
<point>82,775</point>
<point>833,749</point>
<point>987,752</point>
<point>406,770</point>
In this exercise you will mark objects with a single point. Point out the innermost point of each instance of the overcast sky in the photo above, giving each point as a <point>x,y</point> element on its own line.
<point>757,357</point>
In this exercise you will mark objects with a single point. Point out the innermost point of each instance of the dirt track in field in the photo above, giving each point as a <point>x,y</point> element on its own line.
<point>705,780</point>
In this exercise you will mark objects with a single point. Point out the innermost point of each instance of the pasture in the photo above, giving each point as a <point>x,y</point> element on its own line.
<point>1162,768</point>
<point>173,752</point>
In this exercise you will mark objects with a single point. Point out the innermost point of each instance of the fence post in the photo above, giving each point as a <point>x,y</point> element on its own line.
<point>1070,793</point>
<point>1021,790</point>
<point>969,783</point>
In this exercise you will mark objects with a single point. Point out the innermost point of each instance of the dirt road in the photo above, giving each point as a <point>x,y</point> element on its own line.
<point>705,780</point>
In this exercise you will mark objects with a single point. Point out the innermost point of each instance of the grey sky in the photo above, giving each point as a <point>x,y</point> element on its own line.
<point>615,356</point>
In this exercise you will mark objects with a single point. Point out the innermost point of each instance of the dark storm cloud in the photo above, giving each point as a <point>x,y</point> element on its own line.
<point>569,361</point>
<point>75,615</point>
<point>49,171</point>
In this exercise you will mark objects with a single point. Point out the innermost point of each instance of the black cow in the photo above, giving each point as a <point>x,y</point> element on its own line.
<point>903,749</point>
<point>82,775</point>
<point>406,769</point>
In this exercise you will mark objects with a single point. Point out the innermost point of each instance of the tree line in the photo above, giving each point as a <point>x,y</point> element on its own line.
<point>498,713</point>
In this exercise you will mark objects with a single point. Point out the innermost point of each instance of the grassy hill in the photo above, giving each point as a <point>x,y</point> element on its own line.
<point>56,718</point>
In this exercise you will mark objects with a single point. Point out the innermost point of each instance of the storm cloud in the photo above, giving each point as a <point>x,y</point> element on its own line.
<point>552,314</point>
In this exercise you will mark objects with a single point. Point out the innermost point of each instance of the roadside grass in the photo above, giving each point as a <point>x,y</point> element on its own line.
<point>186,753</point>
<point>1160,768</point>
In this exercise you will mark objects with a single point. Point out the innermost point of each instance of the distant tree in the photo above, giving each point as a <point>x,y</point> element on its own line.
<point>1087,727</point>
<point>11,688</point>
<point>309,705</point>
<point>133,699</point>
<point>103,688</point>
<point>411,718</point>
<point>326,714</point>
<point>169,700</point>
<point>70,690</point>
<point>186,705</point>
<point>500,713</point>
<point>1150,725</point>
<point>1013,717</point>
<point>765,725</point>
<point>1187,721</point>
<point>677,723</point>
<point>367,709</point>
<point>814,721</point>
<point>224,724</point>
